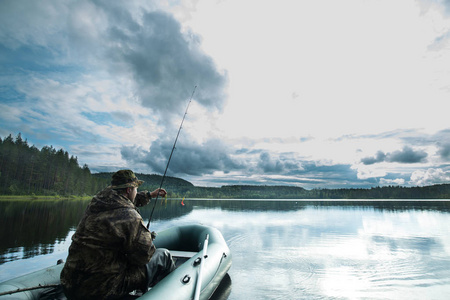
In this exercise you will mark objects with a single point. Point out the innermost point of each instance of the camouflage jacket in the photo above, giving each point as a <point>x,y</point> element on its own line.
<point>109,249</point>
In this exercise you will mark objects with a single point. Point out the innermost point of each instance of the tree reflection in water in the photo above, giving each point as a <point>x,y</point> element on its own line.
<point>32,228</point>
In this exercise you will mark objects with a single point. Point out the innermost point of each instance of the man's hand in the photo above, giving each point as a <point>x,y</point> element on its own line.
<point>153,234</point>
<point>162,193</point>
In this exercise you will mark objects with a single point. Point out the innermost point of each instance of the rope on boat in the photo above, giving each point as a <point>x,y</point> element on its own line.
<point>30,289</point>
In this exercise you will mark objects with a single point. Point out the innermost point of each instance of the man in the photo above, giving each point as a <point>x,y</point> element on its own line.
<point>112,252</point>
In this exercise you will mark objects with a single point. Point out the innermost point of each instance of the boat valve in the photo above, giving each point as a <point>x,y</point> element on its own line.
<point>186,279</point>
<point>197,261</point>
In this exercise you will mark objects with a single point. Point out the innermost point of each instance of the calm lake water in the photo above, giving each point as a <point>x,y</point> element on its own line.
<point>281,249</point>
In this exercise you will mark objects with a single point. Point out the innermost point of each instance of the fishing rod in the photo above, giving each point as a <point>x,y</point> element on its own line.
<point>170,157</point>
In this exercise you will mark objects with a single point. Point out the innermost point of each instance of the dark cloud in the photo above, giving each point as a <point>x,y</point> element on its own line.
<point>405,156</point>
<point>164,62</point>
<point>188,159</point>
<point>373,160</point>
<point>306,173</point>
<point>141,45</point>
<point>261,167</point>
<point>379,157</point>
<point>339,174</point>
<point>74,43</point>
<point>269,165</point>
<point>442,139</point>
<point>444,151</point>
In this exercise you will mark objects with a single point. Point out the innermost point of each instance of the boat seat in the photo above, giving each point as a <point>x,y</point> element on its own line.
<point>180,257</point>
<point>185,254</point>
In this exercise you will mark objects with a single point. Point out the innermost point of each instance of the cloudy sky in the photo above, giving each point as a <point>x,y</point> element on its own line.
<point>318,94</point>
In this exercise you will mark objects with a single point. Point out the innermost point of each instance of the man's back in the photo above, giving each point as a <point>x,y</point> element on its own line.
<point>109,250</point>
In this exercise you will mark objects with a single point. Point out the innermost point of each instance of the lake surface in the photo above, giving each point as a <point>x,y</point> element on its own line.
<point>281,249</point>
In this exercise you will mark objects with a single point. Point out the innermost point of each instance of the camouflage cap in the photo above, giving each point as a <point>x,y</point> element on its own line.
<point>125,178</point>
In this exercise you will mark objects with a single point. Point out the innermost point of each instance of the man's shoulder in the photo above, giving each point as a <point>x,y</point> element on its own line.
<point>109,199</point>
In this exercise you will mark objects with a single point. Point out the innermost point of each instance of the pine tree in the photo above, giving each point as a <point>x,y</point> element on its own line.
<point>28,170</point>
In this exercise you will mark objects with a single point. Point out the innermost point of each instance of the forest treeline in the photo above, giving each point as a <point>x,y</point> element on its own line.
<point>27,170</point>
<point>441,191</point>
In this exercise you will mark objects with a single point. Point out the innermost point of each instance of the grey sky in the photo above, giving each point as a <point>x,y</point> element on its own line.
<point>346,96</point>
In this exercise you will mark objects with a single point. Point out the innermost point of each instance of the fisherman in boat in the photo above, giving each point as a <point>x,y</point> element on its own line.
<point>112,253</point>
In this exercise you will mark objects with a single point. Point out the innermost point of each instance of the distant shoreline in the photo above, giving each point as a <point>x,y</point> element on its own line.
<point>6,198</point>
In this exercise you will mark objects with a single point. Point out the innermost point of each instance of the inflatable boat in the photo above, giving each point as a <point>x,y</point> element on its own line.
<point>200,252</point>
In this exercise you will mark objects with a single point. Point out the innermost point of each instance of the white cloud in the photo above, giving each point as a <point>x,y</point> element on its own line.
<point>398,181</point>
<point>9,113</point>
<point>365,172</point>
<point>429,176</point>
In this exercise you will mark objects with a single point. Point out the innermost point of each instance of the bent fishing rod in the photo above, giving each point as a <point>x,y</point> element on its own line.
<point>170,157</point>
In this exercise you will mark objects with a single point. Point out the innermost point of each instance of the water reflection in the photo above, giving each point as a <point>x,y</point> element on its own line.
<point>281,249</point>
<point>31,228</point>
<point>334,252</point>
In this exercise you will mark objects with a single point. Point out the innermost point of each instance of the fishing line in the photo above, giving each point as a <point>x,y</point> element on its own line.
<point>170,157</point>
